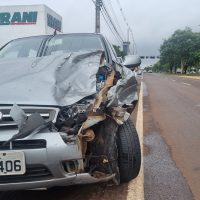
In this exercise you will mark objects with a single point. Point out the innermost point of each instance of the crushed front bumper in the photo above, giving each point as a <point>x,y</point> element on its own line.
<point>51,158</point>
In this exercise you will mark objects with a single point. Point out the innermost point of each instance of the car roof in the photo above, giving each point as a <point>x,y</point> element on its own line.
<point>81,34</point>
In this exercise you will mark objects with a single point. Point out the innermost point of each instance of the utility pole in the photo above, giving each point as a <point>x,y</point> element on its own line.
<point>128,32</point>
<point>126,45</point>
<point>98,5</point>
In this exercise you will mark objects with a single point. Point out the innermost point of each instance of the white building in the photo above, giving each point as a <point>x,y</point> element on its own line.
<point>27,20</point>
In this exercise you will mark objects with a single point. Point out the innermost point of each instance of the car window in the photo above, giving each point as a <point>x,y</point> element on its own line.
<point>26,47</point>
<point>73,43</point>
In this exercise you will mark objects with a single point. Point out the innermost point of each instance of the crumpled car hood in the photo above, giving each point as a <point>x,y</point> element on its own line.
<point>59,80</point>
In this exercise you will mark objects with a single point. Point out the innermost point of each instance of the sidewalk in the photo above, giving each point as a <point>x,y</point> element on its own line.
<point>191,77</point>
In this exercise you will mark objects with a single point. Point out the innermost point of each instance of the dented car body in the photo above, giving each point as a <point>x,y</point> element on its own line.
<point>60,112</point>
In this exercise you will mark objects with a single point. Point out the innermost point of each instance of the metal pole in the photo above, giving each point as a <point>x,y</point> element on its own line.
<point>126,45</point>
<point>98,10</point>
<point>134,49</point>
<point>128,31</point>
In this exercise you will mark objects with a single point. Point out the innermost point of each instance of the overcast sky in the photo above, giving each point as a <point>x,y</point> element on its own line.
<point>151,20</point>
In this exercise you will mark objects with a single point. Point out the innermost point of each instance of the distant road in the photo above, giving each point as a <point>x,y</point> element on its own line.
<point>174,104</point>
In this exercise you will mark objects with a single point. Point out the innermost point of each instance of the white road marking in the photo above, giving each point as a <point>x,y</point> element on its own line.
<point>186,83</point>
<point>173,80</point>
<point>197,105</point>
<point>136,186</point>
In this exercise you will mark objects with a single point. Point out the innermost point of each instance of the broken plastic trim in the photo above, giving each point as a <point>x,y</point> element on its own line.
<point>27,125</point>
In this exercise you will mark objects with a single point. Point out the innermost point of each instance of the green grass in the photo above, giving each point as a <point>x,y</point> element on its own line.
<point>198,75</point>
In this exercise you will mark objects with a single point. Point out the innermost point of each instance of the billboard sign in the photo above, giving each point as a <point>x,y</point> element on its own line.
<point>54,23</point>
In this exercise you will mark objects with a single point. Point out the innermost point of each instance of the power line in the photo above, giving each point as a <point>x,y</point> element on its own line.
<point>111,21</point>
<point>115,18</point>
<point>128,26</point>
<point>115,28</point>
<point>107,23</point>
<point>122,12</point>
<point>134,44</point>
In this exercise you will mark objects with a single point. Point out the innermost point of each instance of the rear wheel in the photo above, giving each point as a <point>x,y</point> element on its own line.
<point>129,152</point>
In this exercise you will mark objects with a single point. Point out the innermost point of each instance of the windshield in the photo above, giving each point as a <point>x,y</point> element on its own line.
<point>29,47</point>
<point>25,47</point>
<point>73,43</point>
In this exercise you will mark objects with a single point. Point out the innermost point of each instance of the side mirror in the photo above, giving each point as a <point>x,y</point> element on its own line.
<point>132,61</point>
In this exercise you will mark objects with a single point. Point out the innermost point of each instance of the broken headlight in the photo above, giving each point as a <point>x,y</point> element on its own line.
<point>71,118</point>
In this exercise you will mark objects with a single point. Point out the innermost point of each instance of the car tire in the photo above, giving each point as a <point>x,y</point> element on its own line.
<point>129,152</point>
<point>105,143</point>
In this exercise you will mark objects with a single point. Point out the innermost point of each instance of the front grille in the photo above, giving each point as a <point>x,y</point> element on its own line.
<point>33,173</point>
<point>24,144</point>
<point>6,121</point>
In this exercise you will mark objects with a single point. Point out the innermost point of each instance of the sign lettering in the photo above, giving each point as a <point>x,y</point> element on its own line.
<point>54,23</point>
<point>18,18</point>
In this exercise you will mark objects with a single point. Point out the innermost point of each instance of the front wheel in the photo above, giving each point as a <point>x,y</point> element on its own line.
<point>129,152</point>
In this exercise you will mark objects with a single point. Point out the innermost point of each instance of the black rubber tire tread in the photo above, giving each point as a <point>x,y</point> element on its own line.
<point>129,152</point>
<point>105,143</point>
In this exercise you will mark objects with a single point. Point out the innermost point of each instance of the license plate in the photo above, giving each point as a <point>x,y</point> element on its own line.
<point>12,163</point>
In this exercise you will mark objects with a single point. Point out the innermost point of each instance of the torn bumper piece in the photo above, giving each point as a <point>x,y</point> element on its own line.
<point>70,179</point>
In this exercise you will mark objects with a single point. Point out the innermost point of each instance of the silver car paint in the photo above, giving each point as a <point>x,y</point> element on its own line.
<point>58,80</point>
<point>51,157</point>
<point>65,79</point>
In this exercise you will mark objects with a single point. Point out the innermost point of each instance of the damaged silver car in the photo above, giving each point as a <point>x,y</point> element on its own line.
<point>65,106</point>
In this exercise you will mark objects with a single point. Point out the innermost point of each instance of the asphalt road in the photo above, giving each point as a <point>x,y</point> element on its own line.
<point>172,137</point>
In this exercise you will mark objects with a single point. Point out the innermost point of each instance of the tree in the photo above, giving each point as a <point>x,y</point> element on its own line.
<point>182,49</point>
<point>168,55</point>
<point>118,51</point>
<point>158,67</point>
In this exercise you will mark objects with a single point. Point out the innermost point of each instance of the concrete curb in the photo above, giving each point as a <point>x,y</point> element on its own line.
<point>136,187</point>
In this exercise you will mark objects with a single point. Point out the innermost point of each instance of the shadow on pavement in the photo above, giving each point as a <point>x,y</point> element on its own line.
<point>87,192</point>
